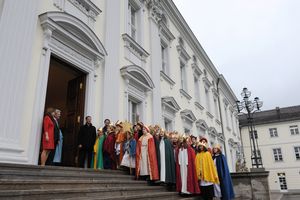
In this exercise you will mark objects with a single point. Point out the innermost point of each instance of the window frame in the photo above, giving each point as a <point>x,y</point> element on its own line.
<point>297,153</point>
<point>273,132</point>
<point>278,156</point>
<point>294,130</point>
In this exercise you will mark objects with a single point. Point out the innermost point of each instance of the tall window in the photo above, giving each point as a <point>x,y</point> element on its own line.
<point>183,76</point>
<point>277,154</point>
<point>164,58</point>
<point>1,7</point>
<point>133,114</point>
<point>187,131</point>
<point>273,132</point>
<point>133,21</point>
<point>294,130</point>
<point>226,119</point>
<point>216,108</point>
<point>207,99</point>
<point>197,89</point>
<point>168,124</point>
<point>297,152</point>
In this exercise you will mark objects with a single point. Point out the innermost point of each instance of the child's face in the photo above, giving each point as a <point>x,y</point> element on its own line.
<point>193,139</point>
<point>216,150</point>
<point>128,136</point>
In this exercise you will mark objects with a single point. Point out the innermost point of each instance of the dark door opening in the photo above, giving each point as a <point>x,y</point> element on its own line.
<point>66,92</point>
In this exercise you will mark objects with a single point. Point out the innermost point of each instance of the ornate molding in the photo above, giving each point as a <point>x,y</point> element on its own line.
<point>210,115</point>
<point>199,105</point>
<point>171,103</point>
<point>197,70</point>
<point>207,82</point>
<point>183,53</point>
<point>188,115</point>
<point>184,93</point>
<point>167,78</point>
<point>155,9</point>
<point>87,7</point>
<point>165,32</point>
<point>71,52</point>
<point>134,47</point>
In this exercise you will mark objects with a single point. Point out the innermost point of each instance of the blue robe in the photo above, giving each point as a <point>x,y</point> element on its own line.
<point>224,177</point>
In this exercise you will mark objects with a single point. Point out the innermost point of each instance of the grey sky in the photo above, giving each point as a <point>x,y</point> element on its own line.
<point>254,44</point>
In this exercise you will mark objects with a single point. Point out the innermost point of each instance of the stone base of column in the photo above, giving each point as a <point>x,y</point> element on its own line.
<point>251,185</point>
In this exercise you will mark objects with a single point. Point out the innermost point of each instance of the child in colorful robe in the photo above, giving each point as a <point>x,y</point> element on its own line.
<point>146,161</point>
<point>206,170</point>
<point>165,159</point>
<point>186,178</point>
<point>109,156</point>
<point>97,162</point>
<point>227,192</point>
<point>129,148</point>
<point>120,139</point>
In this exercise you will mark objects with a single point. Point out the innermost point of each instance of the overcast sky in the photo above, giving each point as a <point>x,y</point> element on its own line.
<point>253,43</point>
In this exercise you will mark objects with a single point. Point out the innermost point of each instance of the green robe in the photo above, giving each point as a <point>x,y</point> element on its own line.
<point>169,160</point>
<point>97,160</point>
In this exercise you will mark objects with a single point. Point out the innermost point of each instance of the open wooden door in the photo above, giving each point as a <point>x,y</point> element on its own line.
<point>75,118</point>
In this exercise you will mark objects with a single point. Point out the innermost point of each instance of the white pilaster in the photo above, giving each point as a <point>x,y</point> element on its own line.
<point>16,39</point>
<point>111,97</point>
<point>155,68</point>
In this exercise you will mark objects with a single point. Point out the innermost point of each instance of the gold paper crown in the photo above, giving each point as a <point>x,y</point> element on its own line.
<point>217,146</point>
<point>127,126</point>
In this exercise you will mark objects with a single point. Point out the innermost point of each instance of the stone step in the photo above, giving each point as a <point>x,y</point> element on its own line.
<point>145,196</point>
<point>90,193</point>
<point>56,169</point>
<point>19,184</point>
<point>31,174</point>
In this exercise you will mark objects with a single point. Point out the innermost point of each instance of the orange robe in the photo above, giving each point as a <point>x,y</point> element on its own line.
<point>152,160</point>
<point>121,138</point>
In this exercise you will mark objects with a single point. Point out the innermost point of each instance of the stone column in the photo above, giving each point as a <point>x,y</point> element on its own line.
<point>111,96</point>
<point>154,17</point>
<point>18,25</point>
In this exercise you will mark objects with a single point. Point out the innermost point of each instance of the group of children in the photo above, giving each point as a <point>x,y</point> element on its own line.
<point>164,157</point>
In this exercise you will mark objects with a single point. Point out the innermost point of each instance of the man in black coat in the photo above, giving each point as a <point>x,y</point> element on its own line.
<point>86,141</point>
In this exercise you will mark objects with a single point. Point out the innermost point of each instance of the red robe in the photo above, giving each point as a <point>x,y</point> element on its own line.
<point>152,160</point>
<point>109,147</point>
<point>192,181</point>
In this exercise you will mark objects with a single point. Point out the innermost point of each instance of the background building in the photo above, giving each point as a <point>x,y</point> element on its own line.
<point>134,60</point>
<point>279,144</point>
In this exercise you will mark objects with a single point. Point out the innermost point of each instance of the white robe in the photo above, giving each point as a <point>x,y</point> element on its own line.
<point>144,170</point>
<point>183,163</point>
<point>162,160</point>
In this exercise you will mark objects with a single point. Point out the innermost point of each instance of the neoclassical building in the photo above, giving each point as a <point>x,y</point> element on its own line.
<point>279,146</point>
<point>134,60</point>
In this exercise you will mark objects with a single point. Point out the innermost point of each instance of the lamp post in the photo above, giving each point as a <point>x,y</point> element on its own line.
<point>251,107</point>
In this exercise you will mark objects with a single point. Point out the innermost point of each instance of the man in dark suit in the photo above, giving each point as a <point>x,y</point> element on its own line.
<point>86,141</point>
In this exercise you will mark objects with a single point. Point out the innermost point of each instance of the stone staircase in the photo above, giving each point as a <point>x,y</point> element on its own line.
<point>28,182</point>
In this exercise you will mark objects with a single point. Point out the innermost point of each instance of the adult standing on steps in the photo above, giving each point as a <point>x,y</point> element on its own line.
<point>86,142</point>
<point>48,135</point>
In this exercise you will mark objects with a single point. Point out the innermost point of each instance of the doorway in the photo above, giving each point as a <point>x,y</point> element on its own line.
<point>66,92</point>
<point>282,182</point>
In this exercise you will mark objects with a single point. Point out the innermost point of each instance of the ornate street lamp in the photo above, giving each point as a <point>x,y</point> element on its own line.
<point>251,107</point>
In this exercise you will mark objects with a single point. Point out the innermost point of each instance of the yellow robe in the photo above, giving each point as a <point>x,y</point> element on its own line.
<point>205,168</point>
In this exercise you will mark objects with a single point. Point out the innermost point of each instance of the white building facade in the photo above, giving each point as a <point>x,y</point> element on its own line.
<point>279,145</point>
<point>134,60</point>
